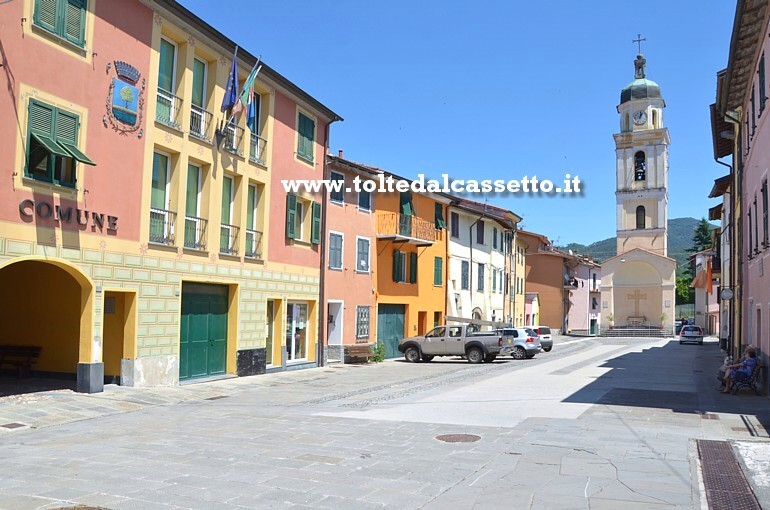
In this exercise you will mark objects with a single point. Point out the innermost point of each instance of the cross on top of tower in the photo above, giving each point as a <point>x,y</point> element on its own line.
<point>640,61</point>
<point>639,41</point>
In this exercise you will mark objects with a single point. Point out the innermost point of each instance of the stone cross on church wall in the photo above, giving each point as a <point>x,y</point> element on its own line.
<point>637,297</point>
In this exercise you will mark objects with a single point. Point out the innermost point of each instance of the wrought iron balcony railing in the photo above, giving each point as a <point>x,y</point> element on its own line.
<point>195,233</point>
<point>253,244</point>
<point>405,227</point>
<point>200,123</point>
<point>233,139</point>
<point>228,239</point>
<point>168,108</point>
<point>258,148</point>
<point>162,226</point>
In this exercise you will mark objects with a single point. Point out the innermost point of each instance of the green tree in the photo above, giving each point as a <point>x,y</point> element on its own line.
<point>684,293</point>
<point>702,237</point>
<point>127,95</point>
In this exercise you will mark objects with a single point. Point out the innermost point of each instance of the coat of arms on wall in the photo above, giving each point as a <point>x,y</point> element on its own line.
<point>125,100</point>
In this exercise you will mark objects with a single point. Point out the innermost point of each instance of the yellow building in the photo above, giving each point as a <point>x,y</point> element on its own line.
<point>518,290</point>
<point>411,264</point>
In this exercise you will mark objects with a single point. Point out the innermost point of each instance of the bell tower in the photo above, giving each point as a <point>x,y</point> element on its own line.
<point>641,155</point>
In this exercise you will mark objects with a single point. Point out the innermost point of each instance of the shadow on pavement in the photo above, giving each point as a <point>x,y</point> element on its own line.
<point>10,385</point>
<point>681,378</point>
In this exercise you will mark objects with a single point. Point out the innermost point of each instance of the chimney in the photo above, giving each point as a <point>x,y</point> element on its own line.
<point>339,153</point>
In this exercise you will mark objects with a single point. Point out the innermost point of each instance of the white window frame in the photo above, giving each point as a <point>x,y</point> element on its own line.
<point>299,220</point>
<point>368,322</point>
<point>251,185</point>
<point>331,178</point>
<point>342,250</point>
<point>167,201</point>
<point>368,255</point>
<point>205,81</point>
<point>232,198</point>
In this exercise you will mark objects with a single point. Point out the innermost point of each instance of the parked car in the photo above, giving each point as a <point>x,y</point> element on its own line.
<point>465,340</point>
<point>520,343</point>
<point>544,334</point>
<point>678,324</point>
<point>691,334</point>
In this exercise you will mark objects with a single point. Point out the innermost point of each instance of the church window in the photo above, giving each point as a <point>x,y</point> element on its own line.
<point>655,119</point>
<point>626,123</point>
<point>640,217</point>
<point>640,166</point>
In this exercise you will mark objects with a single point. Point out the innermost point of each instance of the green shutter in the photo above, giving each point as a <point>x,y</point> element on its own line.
<point>438,266</point>
<point>66,127</point>
<point>291,216</point>
<point>306,136</point>
<point>397,266</point>
<point>440,224</point>
<point>74,21</point>
<point>413,267</point>
<point>199,80</point>
<point>406,204</point>
<point>315,229</point>
<point>41,118</point>
<point>46,14</point>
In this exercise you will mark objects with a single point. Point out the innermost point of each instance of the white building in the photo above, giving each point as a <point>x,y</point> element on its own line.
<point>478,285</point>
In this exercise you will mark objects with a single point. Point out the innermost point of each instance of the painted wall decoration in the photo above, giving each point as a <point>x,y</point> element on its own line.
<point>125,100</point>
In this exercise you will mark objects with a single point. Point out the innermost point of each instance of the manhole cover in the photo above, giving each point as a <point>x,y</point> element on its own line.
<point>458,438</point>
<point>13,425</point>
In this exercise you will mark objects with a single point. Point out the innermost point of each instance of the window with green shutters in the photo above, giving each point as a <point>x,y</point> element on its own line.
<point>52,144</point>
<point>315,227</point>
<point>440,223</point>
<point>291,216</point>
<point>494,238</point>
<point>199,84</point>
<point>305,137</point>
<point>481,278</point>
<point>413,267</point>
<point>465,276</point>
<point>398,266</point>
<point>438,271</point>
<point>494,280</point>
<point>335,250</point>
<point>63,18</point>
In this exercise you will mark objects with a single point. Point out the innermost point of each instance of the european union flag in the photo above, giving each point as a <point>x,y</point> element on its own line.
<point>231,91</point>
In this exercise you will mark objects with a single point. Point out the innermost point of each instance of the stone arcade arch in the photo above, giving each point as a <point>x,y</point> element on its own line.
<point>49,303</point>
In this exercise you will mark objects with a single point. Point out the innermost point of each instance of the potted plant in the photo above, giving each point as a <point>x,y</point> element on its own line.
<point>611,318</point>
<point>662,318</point>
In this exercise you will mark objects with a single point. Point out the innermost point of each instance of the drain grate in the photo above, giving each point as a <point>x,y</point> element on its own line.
<point>13,425</point>
<point>726,486</point>
<point>458,438</point>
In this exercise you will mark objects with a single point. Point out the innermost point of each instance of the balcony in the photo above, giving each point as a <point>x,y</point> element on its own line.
<point>200,123</point>
<point>195,233</point>
<point>405,229</point>
<point>258,148</point>
<point>162,226</point>
<point>228,239</point>
<point>233,139</point>
<point>570,282</point>
<point>253,244</point>
<point>168,108</point>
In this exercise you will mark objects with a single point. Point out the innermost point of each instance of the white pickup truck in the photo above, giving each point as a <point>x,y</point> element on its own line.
<point>461,340</point>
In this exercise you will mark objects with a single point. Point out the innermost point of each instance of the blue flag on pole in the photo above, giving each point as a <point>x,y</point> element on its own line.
<point>251,114</point>
<point>231,91</point>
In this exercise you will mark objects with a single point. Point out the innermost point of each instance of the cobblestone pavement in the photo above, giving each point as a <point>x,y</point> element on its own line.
<point>595,423</point>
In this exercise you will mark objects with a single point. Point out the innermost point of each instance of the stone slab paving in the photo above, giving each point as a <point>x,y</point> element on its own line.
<point>593,424</point>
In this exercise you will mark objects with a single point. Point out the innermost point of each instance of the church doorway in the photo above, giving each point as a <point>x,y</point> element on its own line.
<point>46,311</point>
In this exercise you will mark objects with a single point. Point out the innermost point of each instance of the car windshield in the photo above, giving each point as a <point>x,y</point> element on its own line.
<point>543,330</point>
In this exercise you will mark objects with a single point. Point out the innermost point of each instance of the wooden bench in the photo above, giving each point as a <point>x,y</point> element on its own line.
<point>751,382</point>
<point>358,352</point>
<point>21,357</point>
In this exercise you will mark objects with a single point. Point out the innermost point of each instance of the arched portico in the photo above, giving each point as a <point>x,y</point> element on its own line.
<point>49,303</point>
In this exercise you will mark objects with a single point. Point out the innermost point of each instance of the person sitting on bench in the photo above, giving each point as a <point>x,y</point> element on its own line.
<point>741,371</point>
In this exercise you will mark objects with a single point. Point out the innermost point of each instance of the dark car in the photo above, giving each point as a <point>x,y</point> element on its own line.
<point>544,334</point>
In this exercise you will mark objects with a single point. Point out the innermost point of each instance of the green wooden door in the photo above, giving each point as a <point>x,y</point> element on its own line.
<point>203,338</point>
<point>390,328</point>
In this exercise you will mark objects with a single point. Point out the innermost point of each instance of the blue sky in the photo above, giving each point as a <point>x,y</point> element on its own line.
<point>500,89</point>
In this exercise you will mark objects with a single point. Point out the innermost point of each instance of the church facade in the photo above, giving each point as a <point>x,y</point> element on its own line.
<point>638,285</point>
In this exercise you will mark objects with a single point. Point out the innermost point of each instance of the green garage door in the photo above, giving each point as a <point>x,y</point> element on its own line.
<point>390,328</point>
<point>203,339</point>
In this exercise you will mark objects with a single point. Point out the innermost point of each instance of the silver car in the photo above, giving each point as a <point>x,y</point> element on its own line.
<point>520,343</point>
<point>544,334</point>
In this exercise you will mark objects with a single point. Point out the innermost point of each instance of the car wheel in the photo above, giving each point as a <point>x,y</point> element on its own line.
<point>547,349</point>
<point>427,358</point>
<point>474,355</point>
<point>412,354</point>
<point>519,353</point>
<point>700,342</point>
<point>490,358</point>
